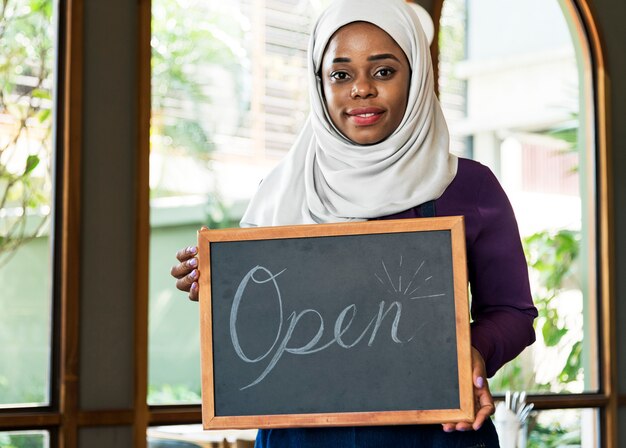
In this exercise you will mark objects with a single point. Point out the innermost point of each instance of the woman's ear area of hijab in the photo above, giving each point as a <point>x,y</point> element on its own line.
<point>365,79</point>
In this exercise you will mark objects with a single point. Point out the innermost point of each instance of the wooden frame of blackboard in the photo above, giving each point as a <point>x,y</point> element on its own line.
<point>464,412</point>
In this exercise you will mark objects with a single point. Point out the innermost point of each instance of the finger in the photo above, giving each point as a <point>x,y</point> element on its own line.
<point>481,416</point>
<point>194,292</point>
<point>478,374</point>
<point>449,427</point>
<point>184,284</point>
<point>180,270</point>
<point>487,408</point>
<point>461,426</point>
<point>483,413</point>
<point>186,253</point>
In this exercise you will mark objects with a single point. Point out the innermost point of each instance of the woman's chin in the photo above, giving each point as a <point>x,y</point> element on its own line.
<point>367,135</point>
<point>366,140</point>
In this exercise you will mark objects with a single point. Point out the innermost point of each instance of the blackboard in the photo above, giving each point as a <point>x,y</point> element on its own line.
<point>335,324</point>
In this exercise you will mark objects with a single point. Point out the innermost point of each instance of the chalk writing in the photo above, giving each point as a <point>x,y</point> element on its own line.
<point>282,343</point>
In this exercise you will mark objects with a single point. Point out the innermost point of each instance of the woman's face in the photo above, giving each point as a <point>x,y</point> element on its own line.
<point>365,78</point>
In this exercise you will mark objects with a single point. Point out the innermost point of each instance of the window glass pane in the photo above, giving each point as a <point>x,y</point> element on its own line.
<point>228,100</point>
<point>563,427</point>
<point>551,428</point>
<point>26,154</point>
<point>195,436</point>
<point>520,106</point>
<point>24,439</point>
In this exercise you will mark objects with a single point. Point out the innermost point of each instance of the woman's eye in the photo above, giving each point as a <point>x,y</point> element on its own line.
<point>385,72</point>
<point>339,76</point>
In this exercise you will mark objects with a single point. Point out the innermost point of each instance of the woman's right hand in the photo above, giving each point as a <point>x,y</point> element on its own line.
<point>186,271</point>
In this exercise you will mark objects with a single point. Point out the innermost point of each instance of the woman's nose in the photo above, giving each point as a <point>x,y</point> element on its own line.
<point>362,88</point>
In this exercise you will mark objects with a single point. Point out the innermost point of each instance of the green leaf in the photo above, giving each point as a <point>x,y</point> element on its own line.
<point>43,115</point>
<point>552,334</point>
<point>31,163</point>
<point>42,6</point>
<point>573,365</point>
<point>41,93</point>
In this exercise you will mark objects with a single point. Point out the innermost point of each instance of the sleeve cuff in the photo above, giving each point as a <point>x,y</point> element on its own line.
<point>482,343</point>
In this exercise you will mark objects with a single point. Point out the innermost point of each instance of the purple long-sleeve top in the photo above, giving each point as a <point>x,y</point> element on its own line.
<point>502,308</point>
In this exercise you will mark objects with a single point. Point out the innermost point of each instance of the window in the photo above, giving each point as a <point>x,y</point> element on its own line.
<point>523,107</point>
<point>28,211</point>
<point>227,103</point>
<point>26,200</point>
<point>239,114</point>
<point>32,410</point>
<point>26,439</point>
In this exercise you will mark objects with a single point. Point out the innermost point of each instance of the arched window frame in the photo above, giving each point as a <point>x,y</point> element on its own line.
<point>63,418</point>
<point>596,80</point>
<point>581,22</point>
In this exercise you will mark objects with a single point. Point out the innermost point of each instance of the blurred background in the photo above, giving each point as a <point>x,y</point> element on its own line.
<point>228,97</point>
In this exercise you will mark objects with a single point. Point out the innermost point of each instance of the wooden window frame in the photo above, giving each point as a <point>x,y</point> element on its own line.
<point>63,417</point>
<point>60,417</point>
<point>607,400</point>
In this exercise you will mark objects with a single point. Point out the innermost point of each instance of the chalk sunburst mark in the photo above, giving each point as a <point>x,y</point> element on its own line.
<point>399,289</point>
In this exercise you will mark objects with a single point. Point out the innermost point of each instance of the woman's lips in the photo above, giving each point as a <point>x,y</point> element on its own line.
<point>365,116</point>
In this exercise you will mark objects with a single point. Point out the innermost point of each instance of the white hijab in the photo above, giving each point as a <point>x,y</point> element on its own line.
<point>327,178</point>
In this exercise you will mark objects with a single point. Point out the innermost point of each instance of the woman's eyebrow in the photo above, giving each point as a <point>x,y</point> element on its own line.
<point>374,57</point>
<point>377,57</point>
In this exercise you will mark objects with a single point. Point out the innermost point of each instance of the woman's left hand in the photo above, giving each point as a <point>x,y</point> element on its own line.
<point>482,397</point>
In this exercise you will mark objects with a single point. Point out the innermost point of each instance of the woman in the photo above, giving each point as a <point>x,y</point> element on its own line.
<point>376,147</point>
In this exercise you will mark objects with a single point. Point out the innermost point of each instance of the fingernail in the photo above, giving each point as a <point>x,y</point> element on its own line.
<point>448,429</point>
<point>191,250</point>
<point>194,274</point>
<point>192,263</point>
<point>194,286</point>
<point>480,382</point>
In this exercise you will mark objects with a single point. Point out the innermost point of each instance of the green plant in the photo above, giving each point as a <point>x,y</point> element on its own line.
<point>25,109</point>
<point>24,440</point>
<point>191,60</point>
<point>553,435</point>
<point>168,394</point>
<point>552,257</point>
<point>185,55</point>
